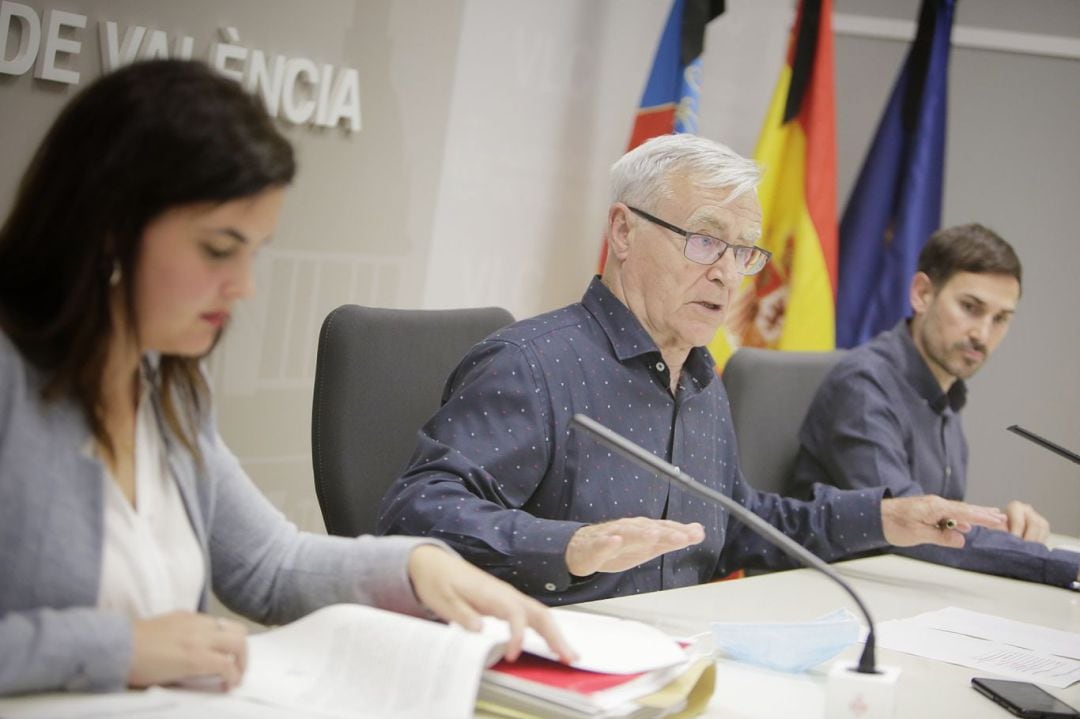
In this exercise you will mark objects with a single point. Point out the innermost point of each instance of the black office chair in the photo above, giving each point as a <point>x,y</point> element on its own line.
<point>378,378</point>
<point>770,393</point>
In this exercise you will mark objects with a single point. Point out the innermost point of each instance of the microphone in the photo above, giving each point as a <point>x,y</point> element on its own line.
<point>649,461</point>
<point>1044,443</point>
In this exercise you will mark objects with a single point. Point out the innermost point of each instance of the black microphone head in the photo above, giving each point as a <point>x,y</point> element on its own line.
<point>1044,443</point>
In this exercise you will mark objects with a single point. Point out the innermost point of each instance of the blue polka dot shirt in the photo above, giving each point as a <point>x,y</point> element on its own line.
<point>880,419</point>
<point>499,475</point>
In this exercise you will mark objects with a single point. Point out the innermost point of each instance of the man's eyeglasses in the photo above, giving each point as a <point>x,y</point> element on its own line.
<point>705,250</point>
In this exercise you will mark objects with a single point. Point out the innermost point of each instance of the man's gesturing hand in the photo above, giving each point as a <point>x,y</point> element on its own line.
<point>930,519</point>
<point>624,543</point>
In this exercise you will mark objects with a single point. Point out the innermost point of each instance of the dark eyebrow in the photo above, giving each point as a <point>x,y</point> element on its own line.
<point>982,303</point>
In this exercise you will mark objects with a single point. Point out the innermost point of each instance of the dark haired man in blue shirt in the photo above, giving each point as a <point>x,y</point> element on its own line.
<point>501,477</point>
<point>888,415</point>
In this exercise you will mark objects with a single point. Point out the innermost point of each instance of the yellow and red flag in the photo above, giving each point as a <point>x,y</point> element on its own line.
<point>791,304</point>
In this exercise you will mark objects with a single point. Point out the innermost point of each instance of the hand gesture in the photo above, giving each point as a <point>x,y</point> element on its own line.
<point>185,646</point>
<point>624,543</point>
<point>459,592</point>
<point>930,519</point>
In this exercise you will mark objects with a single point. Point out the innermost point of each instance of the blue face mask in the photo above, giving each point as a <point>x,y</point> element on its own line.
<point>788,647</point>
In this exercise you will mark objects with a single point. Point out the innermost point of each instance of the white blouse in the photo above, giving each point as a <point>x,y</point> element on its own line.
<point>152,562</point>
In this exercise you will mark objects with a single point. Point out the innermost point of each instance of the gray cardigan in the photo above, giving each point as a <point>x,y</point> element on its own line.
<point>52,637</point>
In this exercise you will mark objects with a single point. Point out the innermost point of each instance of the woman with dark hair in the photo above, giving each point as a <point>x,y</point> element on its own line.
<point>132,235</point>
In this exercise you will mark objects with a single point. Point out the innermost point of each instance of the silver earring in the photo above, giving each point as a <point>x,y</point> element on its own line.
<point>114,277</point>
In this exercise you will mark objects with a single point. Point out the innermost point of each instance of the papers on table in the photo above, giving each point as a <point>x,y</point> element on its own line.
<point>360,662</point>
<point>608,644</point>
<point>1019,634</point>
<point>1008,648</point>
<point>540,687</point>
<point>624,669</point>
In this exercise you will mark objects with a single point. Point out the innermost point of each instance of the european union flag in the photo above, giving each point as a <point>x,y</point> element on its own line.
<point>896,203</point>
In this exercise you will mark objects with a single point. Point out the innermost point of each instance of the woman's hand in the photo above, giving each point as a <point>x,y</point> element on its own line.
<point>186,647</point>
<point>459,592</point>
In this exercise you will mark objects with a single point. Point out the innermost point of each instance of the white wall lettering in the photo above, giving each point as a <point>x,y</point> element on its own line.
<point>114,52</point>
<point>296,88</point>
<point>157,46</point>
<point>266,81</point>
<point>54,45</point>
<point>228,57</point>
<point>29,37</point>
<point>295,110</point>
<point>345,100</point>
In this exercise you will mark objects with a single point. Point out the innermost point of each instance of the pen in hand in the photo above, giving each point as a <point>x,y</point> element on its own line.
<point>946,524</point>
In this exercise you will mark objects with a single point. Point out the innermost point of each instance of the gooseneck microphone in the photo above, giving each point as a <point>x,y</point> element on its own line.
<point>1044,443</point>
<point>651,462</point>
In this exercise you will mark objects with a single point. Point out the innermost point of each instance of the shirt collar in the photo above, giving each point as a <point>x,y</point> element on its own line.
<point>629,339</point>
<point>920,377</point>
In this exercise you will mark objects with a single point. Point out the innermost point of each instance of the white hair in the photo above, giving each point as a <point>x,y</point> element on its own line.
<point>646,172</point>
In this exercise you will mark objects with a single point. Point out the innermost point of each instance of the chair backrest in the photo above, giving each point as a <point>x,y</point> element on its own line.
<point>770,393</point>
<point>379,377</point>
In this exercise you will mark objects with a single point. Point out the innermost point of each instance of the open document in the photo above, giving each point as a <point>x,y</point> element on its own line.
<point>345,660</point>
<point>349,660</point>
<point>354,661</point>
<point>1008,648</point>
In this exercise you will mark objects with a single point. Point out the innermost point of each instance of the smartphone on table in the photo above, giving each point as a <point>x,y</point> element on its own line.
<point>1024,699</point>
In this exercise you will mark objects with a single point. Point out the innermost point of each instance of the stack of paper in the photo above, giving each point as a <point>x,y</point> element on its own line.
<point>539,687</point>
<point>625,669</point>
<point>354,662</point>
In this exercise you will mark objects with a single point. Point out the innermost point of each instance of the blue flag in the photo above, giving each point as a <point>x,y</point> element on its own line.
<point>896,204</point>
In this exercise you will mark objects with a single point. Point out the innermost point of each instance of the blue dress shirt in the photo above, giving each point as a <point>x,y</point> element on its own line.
<point>881,419</point>
<point>499,475</point>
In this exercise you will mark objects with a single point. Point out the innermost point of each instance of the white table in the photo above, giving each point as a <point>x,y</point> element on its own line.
<point>892,588</point>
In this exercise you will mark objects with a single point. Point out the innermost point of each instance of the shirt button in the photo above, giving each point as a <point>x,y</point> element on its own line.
<point>948,471</point>
<point>660,366</point>
<point>550,587</point>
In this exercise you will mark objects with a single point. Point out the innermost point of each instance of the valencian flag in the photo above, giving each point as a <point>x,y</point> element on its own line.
<point>896,203</point>
<point>790,304</point>
<point>670,101</point>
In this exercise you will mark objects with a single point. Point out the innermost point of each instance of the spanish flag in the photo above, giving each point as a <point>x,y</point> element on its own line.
<point>791,304</point>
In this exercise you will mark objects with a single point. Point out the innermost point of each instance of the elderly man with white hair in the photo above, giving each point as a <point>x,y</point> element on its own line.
<point>499,475</point>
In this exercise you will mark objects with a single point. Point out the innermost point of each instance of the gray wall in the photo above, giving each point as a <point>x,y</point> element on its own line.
<point>480,177</point>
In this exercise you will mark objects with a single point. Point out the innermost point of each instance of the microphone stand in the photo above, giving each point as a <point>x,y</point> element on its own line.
<point>649,461</point>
